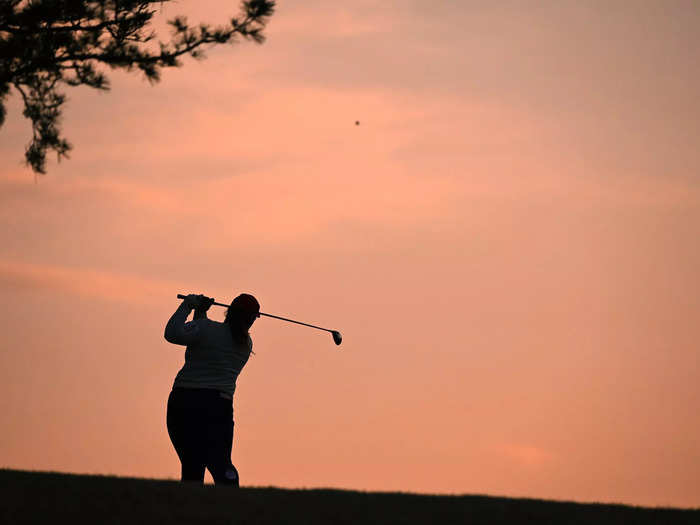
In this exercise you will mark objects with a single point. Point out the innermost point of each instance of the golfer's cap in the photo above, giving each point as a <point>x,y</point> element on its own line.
<point>246,302</point>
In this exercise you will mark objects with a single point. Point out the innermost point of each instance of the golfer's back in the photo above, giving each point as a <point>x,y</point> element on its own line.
<point>212,359</point>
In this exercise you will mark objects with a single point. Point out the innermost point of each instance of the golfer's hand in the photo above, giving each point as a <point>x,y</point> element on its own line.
<point>204,303</point>
<point>198,301</point>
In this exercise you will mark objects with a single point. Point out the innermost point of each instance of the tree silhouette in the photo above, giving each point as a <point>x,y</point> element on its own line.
<point>46,43</point>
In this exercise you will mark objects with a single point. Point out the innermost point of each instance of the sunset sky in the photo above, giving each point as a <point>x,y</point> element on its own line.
<point>509,243</point>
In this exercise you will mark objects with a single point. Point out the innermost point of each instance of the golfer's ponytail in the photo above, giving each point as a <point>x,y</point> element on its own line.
<point>240,316</point>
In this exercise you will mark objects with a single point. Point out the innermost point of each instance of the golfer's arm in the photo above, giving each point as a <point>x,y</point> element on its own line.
<point>175,328</point>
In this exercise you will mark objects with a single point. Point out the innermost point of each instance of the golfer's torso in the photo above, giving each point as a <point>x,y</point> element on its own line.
<point>213,362</point>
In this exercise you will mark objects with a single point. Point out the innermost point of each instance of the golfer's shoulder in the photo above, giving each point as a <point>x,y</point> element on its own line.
<point>200,325</point>
<point>210,324</point>
<point>216,327</point>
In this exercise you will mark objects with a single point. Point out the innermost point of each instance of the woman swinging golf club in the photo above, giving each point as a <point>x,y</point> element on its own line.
<point>200,406</point>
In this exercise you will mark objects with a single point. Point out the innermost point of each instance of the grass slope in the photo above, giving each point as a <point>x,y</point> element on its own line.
<point>41,497</point>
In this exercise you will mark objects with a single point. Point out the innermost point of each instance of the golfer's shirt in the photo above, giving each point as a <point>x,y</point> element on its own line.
<point>212,359</point>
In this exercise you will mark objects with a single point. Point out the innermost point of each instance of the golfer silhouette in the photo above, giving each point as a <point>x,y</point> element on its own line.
<point>200,406</point>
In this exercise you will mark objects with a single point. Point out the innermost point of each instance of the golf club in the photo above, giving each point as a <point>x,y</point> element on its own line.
<point>337,338</point>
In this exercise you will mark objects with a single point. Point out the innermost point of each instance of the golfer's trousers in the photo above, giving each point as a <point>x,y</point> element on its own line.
<point>200,426</point>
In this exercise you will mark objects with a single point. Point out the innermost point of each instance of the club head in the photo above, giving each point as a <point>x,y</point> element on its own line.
<point>337,337</point>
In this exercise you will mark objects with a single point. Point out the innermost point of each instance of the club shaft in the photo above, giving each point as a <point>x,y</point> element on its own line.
<point>283,319</point>
<point>297,322</point>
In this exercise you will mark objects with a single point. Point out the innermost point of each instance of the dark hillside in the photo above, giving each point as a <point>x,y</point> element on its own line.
<point>37,497</point>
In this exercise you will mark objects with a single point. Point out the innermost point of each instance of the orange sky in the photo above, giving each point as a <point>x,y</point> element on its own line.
<point>508,243</point>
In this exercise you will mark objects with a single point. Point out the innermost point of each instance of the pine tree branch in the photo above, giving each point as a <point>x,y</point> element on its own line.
<point>44,43</point>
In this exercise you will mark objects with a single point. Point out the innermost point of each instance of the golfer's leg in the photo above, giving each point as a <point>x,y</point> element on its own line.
<point>220,445</point>
<point>192,472</point>
<point>182,422</point>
